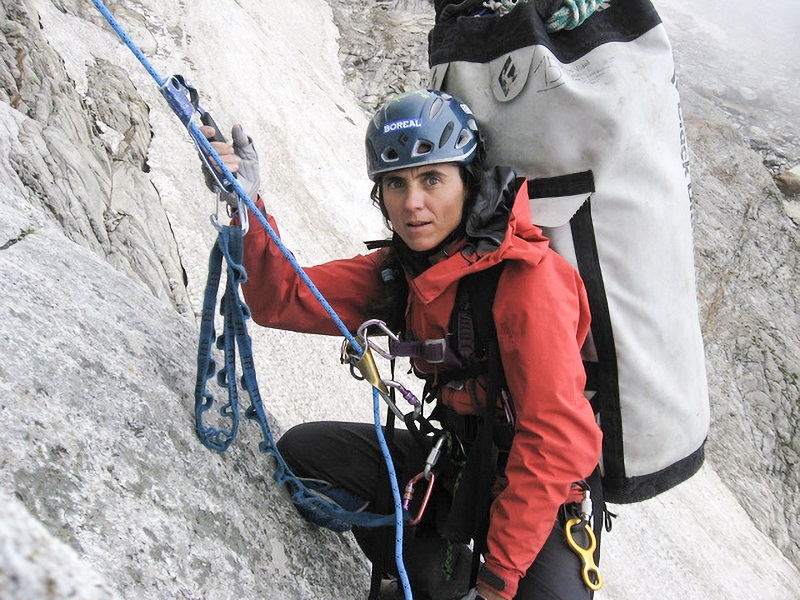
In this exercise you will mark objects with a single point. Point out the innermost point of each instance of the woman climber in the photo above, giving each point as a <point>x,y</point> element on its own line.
<point>520,442</point>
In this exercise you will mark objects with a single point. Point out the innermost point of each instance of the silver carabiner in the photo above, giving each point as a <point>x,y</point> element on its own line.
<point>434,455</point>
<point>405,393</point>
<point>244,217</point>
<point>363,331</point>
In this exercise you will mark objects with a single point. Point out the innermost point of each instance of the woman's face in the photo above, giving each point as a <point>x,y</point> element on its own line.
<point>424,204</point>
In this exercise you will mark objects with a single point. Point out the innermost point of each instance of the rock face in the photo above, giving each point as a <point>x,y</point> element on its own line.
<point>385,48</point>
<point>747,256</point>
<point>97,381</point>
<point>57,571</point>
<point>789,181</point>
<point>747,249</point>
<point>106,492</point>
<point>100,141</point>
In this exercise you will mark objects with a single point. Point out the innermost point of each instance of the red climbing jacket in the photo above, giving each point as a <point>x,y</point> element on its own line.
<point>542,318</point>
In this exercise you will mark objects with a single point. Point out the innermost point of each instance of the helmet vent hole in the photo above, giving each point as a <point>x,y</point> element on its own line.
<point>422,147</point>
<point>390,155</point>
<point>436,106</point>
<point>464,138</point>
<point>446,134</point>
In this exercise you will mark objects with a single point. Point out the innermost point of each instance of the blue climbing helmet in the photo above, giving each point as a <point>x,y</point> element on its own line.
<point>424,127</point>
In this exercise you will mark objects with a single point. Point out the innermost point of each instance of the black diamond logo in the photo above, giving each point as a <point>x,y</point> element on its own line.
<point>508,75</point>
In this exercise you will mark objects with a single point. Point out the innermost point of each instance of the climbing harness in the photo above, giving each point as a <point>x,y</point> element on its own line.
<point>183,99</point>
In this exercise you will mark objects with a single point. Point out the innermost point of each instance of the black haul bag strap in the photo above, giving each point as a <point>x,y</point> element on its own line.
<point>572,184</point>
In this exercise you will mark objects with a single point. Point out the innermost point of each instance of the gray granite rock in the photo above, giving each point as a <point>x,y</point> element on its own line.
<point>106,492</point>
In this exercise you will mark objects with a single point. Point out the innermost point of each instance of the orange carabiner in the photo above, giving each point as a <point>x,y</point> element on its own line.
<point>409,493</point>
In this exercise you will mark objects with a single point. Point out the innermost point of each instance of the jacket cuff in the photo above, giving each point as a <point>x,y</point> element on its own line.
<point>500,580</point>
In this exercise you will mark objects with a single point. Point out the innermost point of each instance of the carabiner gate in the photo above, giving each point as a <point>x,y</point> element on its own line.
<point>434,455</point>
<point>363,332</point>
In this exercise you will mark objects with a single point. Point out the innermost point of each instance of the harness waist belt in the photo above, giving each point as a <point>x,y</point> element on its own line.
<point>432,351</point>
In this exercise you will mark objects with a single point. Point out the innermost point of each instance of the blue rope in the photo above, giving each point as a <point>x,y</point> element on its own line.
<point>128,41</point>
<point>398,510</point>
<point>235,334</point>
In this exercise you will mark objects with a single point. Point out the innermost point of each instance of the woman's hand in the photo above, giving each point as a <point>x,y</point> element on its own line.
<point>225,150</point>
<point>240,158</point>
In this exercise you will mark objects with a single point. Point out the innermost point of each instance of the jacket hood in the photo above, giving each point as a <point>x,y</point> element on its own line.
<point>487,223</point>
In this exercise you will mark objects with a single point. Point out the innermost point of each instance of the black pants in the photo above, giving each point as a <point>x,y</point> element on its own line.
<point>348,455</point>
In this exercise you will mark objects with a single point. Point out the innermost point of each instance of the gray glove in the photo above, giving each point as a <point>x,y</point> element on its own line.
<point>248,173</point>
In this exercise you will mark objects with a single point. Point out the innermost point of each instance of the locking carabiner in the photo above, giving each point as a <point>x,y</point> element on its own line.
<point>408,494</point>
<point>364,368</point>
<point>364,365</point>
<point>363,334</point>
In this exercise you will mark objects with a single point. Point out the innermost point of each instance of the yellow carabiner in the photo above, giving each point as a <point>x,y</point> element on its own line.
<point>365,365</point>
<point>589,571</point>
